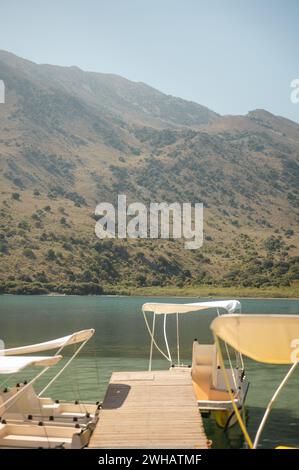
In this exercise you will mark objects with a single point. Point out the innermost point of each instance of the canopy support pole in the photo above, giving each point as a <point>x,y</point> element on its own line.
<point>14,398</point>
<point>166,341</point>
<point>229,359</point>
<point>153,338</point>
<point>178,337</point>
<point>62,369</point>
<point>152,343</point>
<point>271,403</point>
<point>226,379</point>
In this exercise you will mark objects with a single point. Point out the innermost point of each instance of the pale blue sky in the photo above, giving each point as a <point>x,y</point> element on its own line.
<point>230,55</point>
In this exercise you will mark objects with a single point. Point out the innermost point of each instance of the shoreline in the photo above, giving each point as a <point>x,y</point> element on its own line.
<point>221,292</point>
<point>227,297</point>
<point>60,290</point>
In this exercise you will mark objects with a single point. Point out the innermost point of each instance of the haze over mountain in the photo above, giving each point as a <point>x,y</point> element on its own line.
<point>70,139</point>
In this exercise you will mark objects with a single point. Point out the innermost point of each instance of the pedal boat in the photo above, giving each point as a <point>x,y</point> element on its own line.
<point>30,420</point>
<point>207,377</point>
<point>268,339</point>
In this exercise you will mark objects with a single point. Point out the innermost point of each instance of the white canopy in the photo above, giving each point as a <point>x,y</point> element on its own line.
<point>272,339</point>
<point>14,364</point>
<point>230,306</point>
<point>74,338</point>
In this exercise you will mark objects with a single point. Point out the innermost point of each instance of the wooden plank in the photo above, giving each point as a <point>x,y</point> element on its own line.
<point>149,410</point>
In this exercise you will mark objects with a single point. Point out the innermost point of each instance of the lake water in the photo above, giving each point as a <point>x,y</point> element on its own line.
<point>121,343</point>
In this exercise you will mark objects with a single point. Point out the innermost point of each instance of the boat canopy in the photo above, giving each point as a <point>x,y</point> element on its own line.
<point>272,339</point>
<point>230,306</point>
<point>74,338</point>
<point>14,364</point>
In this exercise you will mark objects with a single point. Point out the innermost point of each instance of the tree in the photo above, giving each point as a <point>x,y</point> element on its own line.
<point>29,253</point>
<point>50,255</point>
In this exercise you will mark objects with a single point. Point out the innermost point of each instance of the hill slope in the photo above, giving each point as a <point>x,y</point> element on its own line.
<point>70,139</point>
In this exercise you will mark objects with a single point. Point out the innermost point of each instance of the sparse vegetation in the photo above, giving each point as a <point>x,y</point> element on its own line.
<point>137,142</point>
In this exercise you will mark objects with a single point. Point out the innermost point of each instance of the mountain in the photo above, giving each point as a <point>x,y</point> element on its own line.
<point>70,139</point>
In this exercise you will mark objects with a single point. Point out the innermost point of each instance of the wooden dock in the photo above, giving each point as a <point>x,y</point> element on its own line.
<point>150,410</point>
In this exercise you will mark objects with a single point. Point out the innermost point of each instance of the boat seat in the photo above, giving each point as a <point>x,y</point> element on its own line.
<point>29,403</point>
<point>204,355</point>
<point>34,436</point>
<point>202,383</point>
<point>205,373</point>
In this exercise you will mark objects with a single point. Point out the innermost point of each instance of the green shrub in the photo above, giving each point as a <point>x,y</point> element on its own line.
<point>24,225</point>
<point>3,246</point>
<point>29,253</point>
<point>50,255</point>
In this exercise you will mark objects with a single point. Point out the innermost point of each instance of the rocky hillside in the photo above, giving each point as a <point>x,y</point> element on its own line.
<point>70,139</point>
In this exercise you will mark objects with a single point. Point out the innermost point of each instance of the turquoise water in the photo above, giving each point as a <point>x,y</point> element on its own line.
<point>121,343</point>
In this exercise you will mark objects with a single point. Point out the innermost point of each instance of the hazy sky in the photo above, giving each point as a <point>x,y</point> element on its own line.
<point>230,55</point>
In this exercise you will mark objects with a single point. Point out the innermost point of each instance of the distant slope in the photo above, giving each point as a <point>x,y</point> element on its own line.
<point>70,139</point>
<point>112,94</point>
